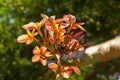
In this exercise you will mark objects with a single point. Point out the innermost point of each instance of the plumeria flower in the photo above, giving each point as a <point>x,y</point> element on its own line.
<point>52,25</point>
<point>32,25</point>
<point>37,26</point>
<point>40,54</point>
<point>72,22</point>
<point>65,71</point>
<point>58,37</point>
<point>27,38</point>
<point>53,21</point>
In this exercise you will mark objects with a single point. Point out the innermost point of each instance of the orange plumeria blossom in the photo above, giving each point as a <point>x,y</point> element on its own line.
<point>40,54</point>
<point>54,38</point>
<point>66,71</point>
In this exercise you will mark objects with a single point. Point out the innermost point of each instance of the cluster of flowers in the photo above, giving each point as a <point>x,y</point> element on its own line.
<point>55,38</point>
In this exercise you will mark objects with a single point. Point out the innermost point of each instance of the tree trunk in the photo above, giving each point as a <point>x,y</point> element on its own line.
<point>98,53</point>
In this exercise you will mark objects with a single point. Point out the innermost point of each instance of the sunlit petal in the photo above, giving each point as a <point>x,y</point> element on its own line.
<point>53,17</point>
<point>70,18</point>
<point>44,62</point>
<point>66,18</point>
<point>43,49</point>
<point>30,26</point>
<point>81,28</point>
<point>44,16</point>
<point>53,66</point>
<point>41,23</point>
<point>58,76</point>
<point>36,50</point>
<point>49,26</point>
<point>65,68</point>
<point>66,74</point>
<point>29,41</point>
<point>23,38</point>
<point>48,54</point>
<point>36,58</point>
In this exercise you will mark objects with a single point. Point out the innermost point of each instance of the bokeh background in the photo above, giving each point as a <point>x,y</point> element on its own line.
<point>102,18</point>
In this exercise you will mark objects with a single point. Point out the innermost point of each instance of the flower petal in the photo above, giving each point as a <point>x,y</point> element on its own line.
<point>44,62</point>
<point>72,18</point>
<point>49,26</point>
<point>48,54</point>
<point>36,50</point>
<point>59,20</point>
<point>44,16</point>
<point>76,70</point>
<point>65,68</point>
<point>43,49</point>
<point>53,66</point>
<point>36,33</point>
<point>69,18</point>
<point>29,26</point>
<point>29,41</point>
<point>23,38</point>
<point>81,38</point>
<point>81,28</point>
<point>77,34</point>
<point>53,17</point>
<point>66,74</point>
<point>61,38</point>
<point>41,23</point>
<point>58,76</point>
<point>36,58</point>
<point>72,43</point>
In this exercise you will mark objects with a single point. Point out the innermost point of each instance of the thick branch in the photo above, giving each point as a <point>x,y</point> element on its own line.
<point>99,53</point>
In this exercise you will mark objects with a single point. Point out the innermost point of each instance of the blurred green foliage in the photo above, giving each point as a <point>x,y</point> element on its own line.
<point>102,23</point>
